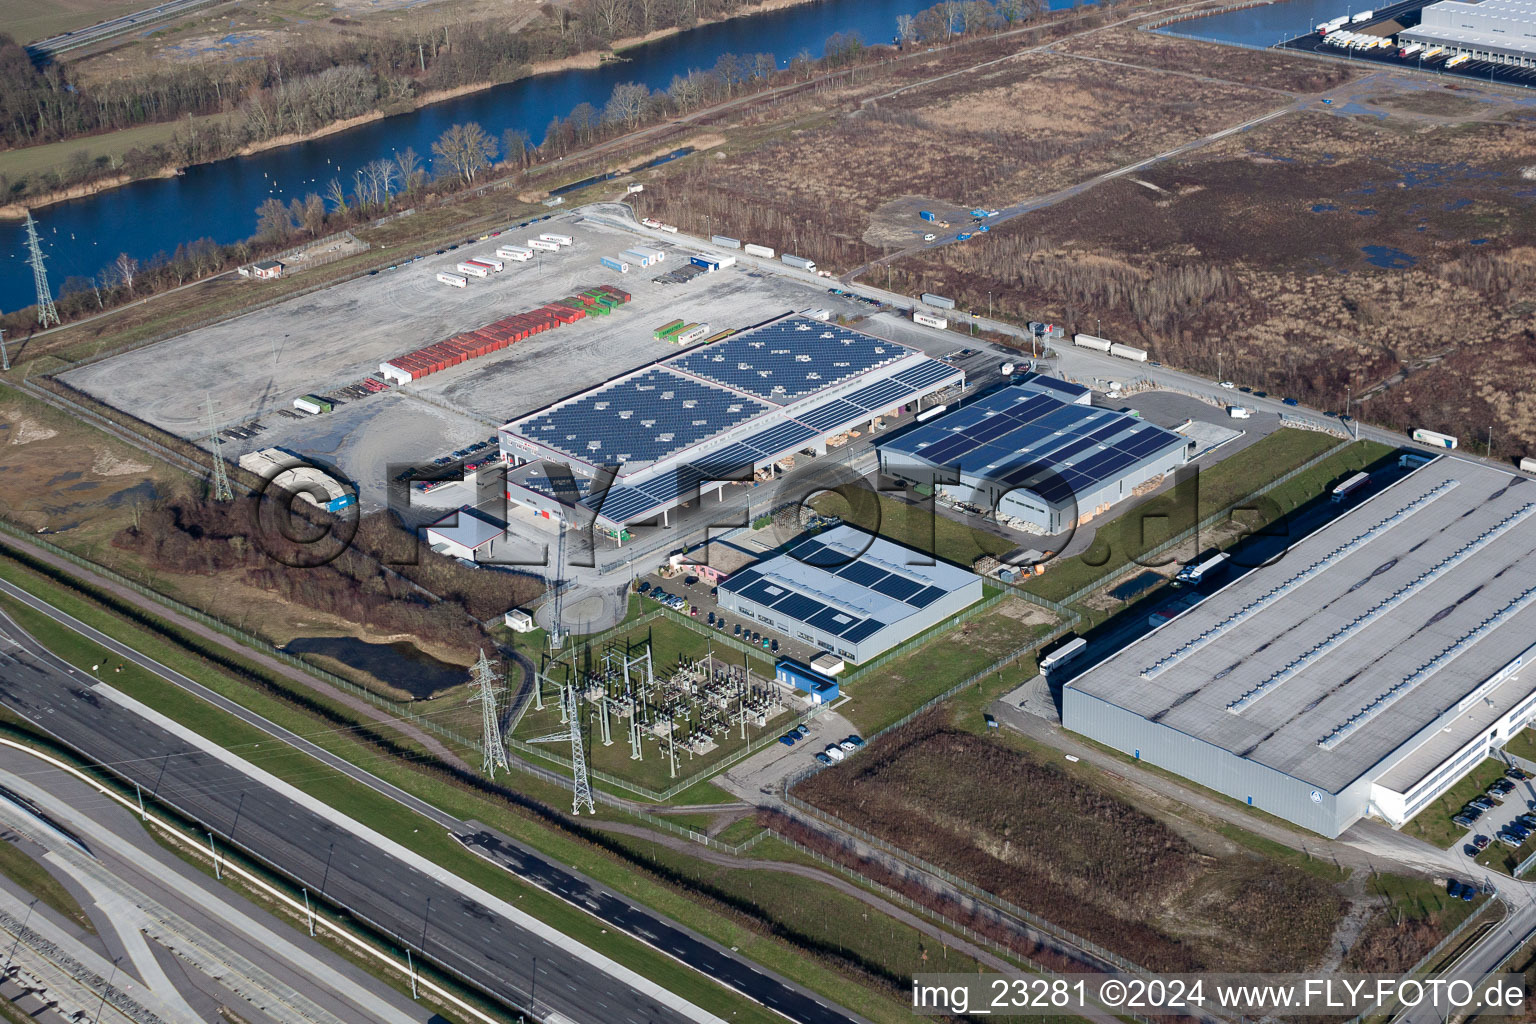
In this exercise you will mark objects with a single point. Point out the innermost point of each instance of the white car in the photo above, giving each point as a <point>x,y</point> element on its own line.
<point>834,752</point>
<point>1227,384</point>
<point>929,237</point>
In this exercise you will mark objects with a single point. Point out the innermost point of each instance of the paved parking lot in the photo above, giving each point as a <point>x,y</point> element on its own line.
<point>1504,811</point>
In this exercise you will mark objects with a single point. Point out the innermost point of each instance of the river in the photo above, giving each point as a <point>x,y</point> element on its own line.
<point>1266,24</point>
<point>219,200</point>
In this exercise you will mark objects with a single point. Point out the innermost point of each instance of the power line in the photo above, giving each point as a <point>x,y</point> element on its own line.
<point>221,488</point>
<point>483,692</point>
<point>46,313</point>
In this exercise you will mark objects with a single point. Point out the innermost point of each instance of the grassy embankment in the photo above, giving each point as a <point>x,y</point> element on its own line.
<point>731,926</point>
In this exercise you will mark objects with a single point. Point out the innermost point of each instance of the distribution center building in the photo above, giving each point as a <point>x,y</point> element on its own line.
<point>1500,31</point>
<point>1364,673</point>
<point>1037,453</point>
<point>850,593</point>
<point>722,412</point>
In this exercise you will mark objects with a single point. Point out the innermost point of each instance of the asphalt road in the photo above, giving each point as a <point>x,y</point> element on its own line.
<point>114,27</point>
<point>432,917</point>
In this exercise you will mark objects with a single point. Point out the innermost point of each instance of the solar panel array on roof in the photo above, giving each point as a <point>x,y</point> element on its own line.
<point>789,358</point>
<point>641,418</point>
<point>1021,436</point>
<point>846,583</point>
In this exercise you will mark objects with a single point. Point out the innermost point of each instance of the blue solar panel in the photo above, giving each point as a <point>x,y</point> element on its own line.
<point>762,592</point>
<point>834,413</point>
<point>947,451</point>
<point>779,437</point>
<point>862,573</point>
<point>810,552</point>
<point>898,587</point>
<point>826,620</point>
<point>1109,430</point>
<point>880,395</point>
<point>620,503</point>
<point>925,597</point>
<point>991,429</point>
<point>798,606</point>
<point>862,629</point>
<point>641,418</point>
<point>741,579</point>
<point>925,374</point>
<point>789,359</point>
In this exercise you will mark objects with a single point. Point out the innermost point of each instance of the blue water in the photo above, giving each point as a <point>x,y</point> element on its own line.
<point>1265,25</point>
<point>219,200</point>
<point>1387,258</point>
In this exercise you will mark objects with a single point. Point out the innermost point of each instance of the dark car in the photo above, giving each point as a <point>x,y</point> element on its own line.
<point>823,758</point>
<point>1290,401</point>
<point>855,739</point>
<point>1261,394</point>
<point>737,630</point>
<point>689,581</point>
<point>1483,802</point>
<point>1246,390</point>
<point>1462,820</point>
<point>1516,773</point>
<point>1504,786</point>
<point>775,647</point>
<point>757,637</point>
<point>645,585</point>
<point>786,741</point>
<point>1453,889</point>
<point>1481,842</point>
<point>1467,893</point>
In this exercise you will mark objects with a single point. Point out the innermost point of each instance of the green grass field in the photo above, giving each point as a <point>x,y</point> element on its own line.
<point>27,21</point>
<point>19,164</point>
<point>1433,824</point>
<point>1523,744</point>
<point>773,952</point>
<point>914,526</point>
<point>20,868</point>
<point>882,696</point>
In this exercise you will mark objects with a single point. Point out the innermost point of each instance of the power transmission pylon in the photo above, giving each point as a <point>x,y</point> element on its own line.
<point>571,713</point>
<point>221,488</point>
<point>483,686</point>
<point>556,634</point>
<point>46,313</point>
<point>5,359</point>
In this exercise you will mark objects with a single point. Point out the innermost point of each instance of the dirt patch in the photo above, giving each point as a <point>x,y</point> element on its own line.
<point>1438,102</point>
<point>108,464</point>
<point>26,430</point>
<point>1078,855</point>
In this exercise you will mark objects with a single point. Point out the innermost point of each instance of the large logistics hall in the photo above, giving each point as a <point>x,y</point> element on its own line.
<point>718,412</point>
<point>1364,673</point>
<point>850,593</point>
<point>1498,31</point>
<point>1037,453</point>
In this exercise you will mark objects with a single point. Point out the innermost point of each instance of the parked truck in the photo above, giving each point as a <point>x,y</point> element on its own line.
<point>790,259</point>
<point>725,241</point>
<point>1433,439</point>
<point>550,236</point>
<point>492,262</point>
<point>543,245</point>
<point>1342,492</point>
<point>453,280</point>
<point>613,263</point>
<point>929,320</point>
<point>764,251</point>
<point>1089,341</point>
<point>1239,412</point>
<point>1528,465</point>
<point>690,334</point>
<point>926,215</point>
<point>313,404</point>
<point>1132,353</point>
<point>1361,16</point>
<point>515,252</point>
<point>656,255</point>
<point>938,301</point>
<point>473,269</point>
<point>636,257</point>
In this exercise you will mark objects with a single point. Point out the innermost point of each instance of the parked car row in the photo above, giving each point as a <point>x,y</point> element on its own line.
<point>1460,890</point>
<point>836,752</point>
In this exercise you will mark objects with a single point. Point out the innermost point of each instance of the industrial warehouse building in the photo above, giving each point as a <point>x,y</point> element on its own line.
<point>1364,673</point>
<point>718,412</point>
<point>466,534</point>
<point>1500,31</point>
<point>849,592</point>
<point>1036,453</point>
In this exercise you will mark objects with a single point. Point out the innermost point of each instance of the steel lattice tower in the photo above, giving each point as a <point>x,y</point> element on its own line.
<point>483,686</point>
<point>571,714</point>
<point>221,488</point>
<point>46,313</point>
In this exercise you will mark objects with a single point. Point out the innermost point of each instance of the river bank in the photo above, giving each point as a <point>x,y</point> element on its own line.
<point>586,60</point>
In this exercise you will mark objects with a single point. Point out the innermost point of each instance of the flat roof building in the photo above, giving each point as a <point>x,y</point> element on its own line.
<point>465,533</point>
<point>850,593</point>
<point>721,412</point>
<point>1500,31</point>
<point>1364,673</point>
<point>1036,453</point>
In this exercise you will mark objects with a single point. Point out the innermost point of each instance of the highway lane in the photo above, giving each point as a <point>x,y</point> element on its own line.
<point>114,27</point>
<point>692,949</point>
<point>434,918</point>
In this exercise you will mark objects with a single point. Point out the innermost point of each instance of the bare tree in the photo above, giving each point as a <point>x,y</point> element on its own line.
<point>904,27</point>
<point>313,215</point>
<point>337,195</point>
<point>411,172</point>
<point>273,221</point>
<point>466,149</point>
<point>627,104</point>
<point>518,147</point>
<point>125,268</point>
